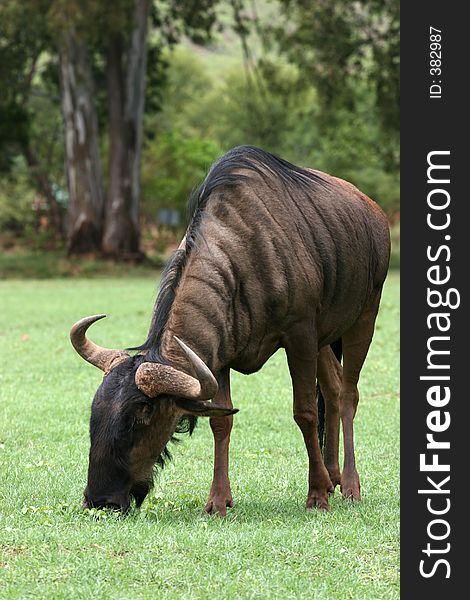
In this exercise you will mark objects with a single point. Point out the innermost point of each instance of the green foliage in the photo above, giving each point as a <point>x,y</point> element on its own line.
<point>270,108</point>
<point>268,547</point>
<point>23,37</point>
<point>46,135</point>
<point>325,95</point>
<point>16,202</point>
<point>14,132</point>
<point>185,17</point>
<point>275,108</point>
<point>173,165</point>
<point>340,45</point>
<point>183,108</point>
<point>352,150</point>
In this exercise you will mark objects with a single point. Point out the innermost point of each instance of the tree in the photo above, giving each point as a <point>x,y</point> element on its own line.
<point>120,40</point>
<point>343,48</point>
<point>86,201</point>
<point>126,77</point>
<point>81,39</point>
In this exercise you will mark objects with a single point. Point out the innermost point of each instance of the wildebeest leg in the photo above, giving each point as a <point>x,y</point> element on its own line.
<point>356,342</point>
<point>220,495</point>
<point>330,376</point>
<point>302,359</point>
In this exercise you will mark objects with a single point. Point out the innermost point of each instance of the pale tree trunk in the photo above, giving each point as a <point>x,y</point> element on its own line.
<point>126,93</point>
<point>85,184</point>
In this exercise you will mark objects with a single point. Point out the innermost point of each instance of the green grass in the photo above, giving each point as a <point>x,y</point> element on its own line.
<point>267,547</point>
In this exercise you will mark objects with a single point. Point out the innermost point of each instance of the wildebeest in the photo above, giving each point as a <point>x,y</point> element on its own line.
<point>275,256</point>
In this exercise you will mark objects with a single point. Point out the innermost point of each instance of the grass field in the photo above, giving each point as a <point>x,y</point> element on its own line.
<point>267,547</point>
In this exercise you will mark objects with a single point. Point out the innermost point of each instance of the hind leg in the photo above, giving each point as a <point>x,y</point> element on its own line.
<point>356,342</point>
<point>302,359</point>
<point>329,375</point>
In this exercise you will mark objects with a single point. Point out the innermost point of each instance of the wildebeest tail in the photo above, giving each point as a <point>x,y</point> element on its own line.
<point>337,348</point>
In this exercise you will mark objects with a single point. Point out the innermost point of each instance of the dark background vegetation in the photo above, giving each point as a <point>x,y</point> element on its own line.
<point>111,112</point>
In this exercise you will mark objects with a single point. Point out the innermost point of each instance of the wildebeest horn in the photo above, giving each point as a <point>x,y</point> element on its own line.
<point>103,358</point>
<point>203,374</point>
<point>154,378</point>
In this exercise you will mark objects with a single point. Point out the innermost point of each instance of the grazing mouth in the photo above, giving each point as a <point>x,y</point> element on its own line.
<point>122,505</point>
<point>122,502</point>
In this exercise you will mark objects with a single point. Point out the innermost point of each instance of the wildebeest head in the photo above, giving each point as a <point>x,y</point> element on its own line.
<point>135,412</point>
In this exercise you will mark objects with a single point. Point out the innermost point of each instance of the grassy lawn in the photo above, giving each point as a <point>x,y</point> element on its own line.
<point>267,547</point>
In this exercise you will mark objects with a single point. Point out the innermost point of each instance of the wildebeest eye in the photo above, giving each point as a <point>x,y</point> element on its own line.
<point>143,414</point>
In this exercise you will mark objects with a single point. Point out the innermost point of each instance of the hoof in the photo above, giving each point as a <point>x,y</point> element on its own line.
<point>351,490</point>
<point>218,506</point>
<point>319,501</point>
<point>350,493</point>
<point>350,486</point>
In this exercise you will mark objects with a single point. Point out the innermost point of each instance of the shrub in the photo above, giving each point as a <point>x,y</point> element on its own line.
<point>17,203</point>
<point>172,166</point>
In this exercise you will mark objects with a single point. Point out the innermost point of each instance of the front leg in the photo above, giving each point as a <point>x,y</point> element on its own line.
<point>220,495</point>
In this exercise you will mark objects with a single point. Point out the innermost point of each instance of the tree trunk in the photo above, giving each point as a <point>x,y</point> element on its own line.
<point>85,185</point>
<point>126,93</point>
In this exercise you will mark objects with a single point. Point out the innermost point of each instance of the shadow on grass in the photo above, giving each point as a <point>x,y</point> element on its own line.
<point>287,511</point>
<point>255,514</point>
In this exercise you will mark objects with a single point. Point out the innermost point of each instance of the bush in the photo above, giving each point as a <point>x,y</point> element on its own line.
<point>272,109</point>
<point>277,109</point>
<point>17,199</point>
<point>172,166</point>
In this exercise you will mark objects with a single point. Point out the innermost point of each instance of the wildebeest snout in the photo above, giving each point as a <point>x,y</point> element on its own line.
<point>120,502</point>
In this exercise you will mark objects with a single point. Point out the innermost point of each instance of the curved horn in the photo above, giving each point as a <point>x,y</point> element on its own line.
<point>204,375</point>
<point>154,378</point>
<point>103,358</point>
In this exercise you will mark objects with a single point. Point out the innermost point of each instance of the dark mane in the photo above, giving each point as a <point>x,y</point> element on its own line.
<point>270,168</point>
<point>170,279</point>
<point>265,164</point>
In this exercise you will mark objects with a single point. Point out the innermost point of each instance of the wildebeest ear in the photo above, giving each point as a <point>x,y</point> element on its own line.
<point>199,408</point>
